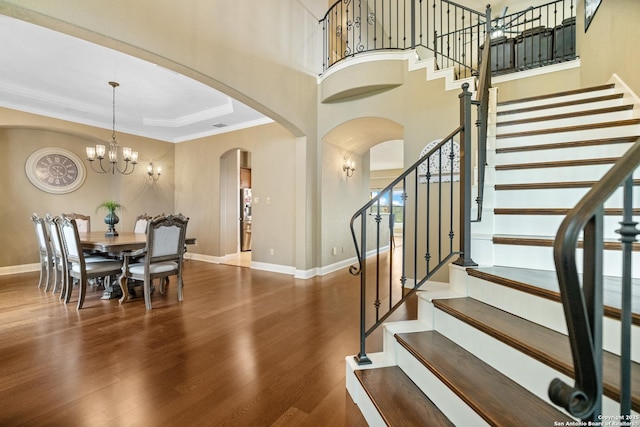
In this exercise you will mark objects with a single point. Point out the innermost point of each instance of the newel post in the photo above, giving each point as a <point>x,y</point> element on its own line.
<point>465,179</point>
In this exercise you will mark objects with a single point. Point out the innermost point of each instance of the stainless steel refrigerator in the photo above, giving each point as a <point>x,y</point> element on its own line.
<point>245,219</point>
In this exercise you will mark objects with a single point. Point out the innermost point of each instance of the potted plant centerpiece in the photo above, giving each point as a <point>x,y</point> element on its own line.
<point>111,219</point>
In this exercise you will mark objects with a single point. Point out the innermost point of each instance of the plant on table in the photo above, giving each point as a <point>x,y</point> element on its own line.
<point>111,219</point>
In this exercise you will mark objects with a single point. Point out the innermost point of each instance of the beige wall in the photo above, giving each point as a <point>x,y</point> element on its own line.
<point>201,174</point>
<point>610,44</point>
<point>20,198</point>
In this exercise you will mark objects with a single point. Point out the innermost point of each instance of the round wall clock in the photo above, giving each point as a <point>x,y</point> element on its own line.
<point>55,170</point>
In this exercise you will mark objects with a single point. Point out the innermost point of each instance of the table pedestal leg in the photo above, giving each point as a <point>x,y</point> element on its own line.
<point>124,281</point>
<point>111,291</point>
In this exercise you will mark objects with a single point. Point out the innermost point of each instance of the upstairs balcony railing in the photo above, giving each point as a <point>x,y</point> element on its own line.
<point>453,34</point>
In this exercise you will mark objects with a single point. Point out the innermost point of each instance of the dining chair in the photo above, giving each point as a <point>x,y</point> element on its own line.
<point>45,251</point>
<point>140,226</point>
<point>59,261</point>
<point>163,255</point>
<point>80,269</point>
<point>83,221</point>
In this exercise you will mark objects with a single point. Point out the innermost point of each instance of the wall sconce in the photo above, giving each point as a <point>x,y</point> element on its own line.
<point>154,175</point>
<point>349,166</point>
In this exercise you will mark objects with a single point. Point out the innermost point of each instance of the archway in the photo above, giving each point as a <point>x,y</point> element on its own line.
<point>235,207</point>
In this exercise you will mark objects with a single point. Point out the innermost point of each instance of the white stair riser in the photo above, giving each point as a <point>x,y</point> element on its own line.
<point>569,136</point>
<point>557,174</point>
<point>560,110</point>
<point>541,258</point>
<point>547,225</point>
<point>562,154</point>
<point>555,198</point>
<point>565,122</point>
<point>555,100</point>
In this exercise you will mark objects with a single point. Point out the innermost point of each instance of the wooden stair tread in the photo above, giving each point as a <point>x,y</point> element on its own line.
<point>545,345</point>
<point>566,115</point>
<point>398,400</point>
<point>559,164</point>
<point>544,284</point>
<point>553,211</point>
<point>571,144</point>
<point>558,94</point>
<point>479,385</point>
<point>550,185</point>
<point>509,239</point>
<point>588,126</point>
<point>562,104</point>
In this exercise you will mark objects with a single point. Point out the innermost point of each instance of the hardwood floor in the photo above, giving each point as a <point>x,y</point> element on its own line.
<point>245,348</point>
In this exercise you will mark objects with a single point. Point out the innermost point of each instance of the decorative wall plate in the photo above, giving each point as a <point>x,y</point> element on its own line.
<point>55,170</point>
<point>438,168</point>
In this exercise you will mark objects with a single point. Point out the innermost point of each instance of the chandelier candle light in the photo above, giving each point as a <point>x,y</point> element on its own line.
<point>98,152</point>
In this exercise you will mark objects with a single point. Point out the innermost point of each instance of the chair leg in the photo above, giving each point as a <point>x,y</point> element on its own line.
<point>43,273</point>
<point>179,286</point>
<point>147,293</point>
<point>82,286</point>
<point>64,285</point>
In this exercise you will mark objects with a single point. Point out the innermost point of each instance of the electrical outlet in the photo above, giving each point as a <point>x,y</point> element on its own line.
<point>271,251</point>
<point>268,200</point>
<point>335,250</point>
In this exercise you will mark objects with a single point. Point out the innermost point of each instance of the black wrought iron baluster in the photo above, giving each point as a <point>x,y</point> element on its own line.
<point>440,176</point>
<point>427,255</point>
<point>390,248</point>
<point>592,289</point>
<point>403,277</point>
<point>628,232</point>
<point>378,219</point>
<point>415,234</point>
<point>451,166</point>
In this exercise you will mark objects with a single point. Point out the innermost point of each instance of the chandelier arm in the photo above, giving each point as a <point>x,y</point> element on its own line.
<point>126,168</point>
<point>101,167</point>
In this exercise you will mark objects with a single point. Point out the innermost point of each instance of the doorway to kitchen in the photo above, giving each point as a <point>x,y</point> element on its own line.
<point>236,208</point>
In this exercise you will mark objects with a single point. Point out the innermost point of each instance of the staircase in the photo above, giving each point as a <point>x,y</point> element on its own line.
<point>485,347</point>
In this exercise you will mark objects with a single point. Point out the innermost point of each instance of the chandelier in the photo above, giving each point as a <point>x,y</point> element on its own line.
<point>98,152</point>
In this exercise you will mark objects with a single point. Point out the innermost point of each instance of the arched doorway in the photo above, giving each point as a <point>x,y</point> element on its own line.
<point>236,207</point>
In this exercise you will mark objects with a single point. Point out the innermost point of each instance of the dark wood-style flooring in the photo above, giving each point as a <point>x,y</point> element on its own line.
<point>245,348</point>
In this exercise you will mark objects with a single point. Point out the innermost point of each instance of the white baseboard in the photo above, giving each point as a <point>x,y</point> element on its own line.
<point>15,269</point>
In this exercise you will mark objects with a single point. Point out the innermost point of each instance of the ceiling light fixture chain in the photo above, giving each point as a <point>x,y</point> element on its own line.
<point>129,156</point>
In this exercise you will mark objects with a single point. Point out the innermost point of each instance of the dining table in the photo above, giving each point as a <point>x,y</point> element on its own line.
<point>117,246</point>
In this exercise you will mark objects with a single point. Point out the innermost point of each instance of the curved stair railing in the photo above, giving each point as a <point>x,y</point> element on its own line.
<point>452,33</point>
<point>582,300</point>
<point>430,202</point>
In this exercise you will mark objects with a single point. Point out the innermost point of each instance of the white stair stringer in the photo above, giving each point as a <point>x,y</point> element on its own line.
<point>448,74</point>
